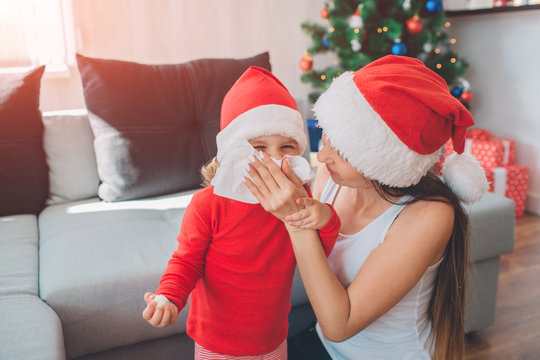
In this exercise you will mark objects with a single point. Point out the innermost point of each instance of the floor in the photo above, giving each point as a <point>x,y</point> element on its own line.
<point>515,335</point>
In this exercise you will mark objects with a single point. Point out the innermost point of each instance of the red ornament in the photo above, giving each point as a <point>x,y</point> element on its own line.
<point>306,63</point>
<point>414,25</point>
<point>324,13</point>
<point>467,96</point>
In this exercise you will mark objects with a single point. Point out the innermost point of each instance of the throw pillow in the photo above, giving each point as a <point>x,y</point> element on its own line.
<point>69,146</point>
<point>24,184</point>
<point>155,125</point>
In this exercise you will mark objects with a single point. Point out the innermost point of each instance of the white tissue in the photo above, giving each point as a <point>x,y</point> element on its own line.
<point>228,181</point>
<point>161,300</point>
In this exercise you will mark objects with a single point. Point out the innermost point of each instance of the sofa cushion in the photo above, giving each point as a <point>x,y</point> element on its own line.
<point>30,329</point>
<point>18,255</point>
<point>97,260</point>
<point>23,170</point>
<point>69,148</point>
<point>155,125</point>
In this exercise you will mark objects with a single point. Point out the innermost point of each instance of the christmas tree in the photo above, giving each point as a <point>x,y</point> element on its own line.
<point>360,31</point>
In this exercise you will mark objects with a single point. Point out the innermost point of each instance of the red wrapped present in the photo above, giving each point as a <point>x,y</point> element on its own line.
<point>509,151</point>
<point>489,150</point>
<point>478,134</point>
<point>510,181</point>
<point>489,153</point>
<point>475,134</point>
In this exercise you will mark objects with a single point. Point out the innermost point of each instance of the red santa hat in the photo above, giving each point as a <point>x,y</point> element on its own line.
<point>258,104</point>
<point>391,118</point>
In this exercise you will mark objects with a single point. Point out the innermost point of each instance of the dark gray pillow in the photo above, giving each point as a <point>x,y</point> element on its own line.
<point>24,176</point>
<point>155,125</point>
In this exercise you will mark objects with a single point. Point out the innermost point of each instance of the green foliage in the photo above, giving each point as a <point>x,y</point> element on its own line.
<point>384,22</point>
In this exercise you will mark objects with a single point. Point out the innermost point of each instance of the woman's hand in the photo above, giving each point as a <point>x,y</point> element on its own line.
<point>276,189</point>
<point>159,316</point>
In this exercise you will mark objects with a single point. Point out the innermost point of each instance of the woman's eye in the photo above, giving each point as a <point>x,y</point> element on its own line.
<point>260,147</point>
<point>287,147</point>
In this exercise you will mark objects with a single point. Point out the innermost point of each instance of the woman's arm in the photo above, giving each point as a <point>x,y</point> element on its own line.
<point>413,243</point>
<point>416,240</point>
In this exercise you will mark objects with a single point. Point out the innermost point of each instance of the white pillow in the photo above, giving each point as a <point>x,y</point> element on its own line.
<point>69,149</point>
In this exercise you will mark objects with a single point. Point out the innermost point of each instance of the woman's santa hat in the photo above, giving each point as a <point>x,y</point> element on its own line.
<point>258,104</point>
<point>391,118</point>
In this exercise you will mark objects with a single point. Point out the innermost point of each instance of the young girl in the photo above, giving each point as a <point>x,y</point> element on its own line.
<point>235,258</point>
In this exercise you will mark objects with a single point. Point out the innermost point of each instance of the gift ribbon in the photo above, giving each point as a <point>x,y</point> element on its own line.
<point>468,144</point>
<point>499,180</point>
<point>506,155</point>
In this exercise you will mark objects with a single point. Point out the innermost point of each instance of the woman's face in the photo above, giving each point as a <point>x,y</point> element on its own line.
<point>275,146</point>
<point>341,171</point>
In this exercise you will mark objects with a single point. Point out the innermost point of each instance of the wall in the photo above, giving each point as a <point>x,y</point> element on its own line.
<point>172,31</point>
<point>501,48</point>
<point>504,56</point>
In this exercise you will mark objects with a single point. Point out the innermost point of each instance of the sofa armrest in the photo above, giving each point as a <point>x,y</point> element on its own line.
<point>29,330</point>
<point>492,227</point>
<point>18,255</point>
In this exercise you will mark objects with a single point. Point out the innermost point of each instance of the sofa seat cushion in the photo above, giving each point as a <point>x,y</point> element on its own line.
<point>491,227</point>
<point>96,261</point>
<point>18,255</point>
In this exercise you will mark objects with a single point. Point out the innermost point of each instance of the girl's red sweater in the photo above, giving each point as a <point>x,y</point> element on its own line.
<point>237,262</point>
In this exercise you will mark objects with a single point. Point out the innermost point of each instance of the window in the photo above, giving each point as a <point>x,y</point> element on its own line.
<point>36,32</point>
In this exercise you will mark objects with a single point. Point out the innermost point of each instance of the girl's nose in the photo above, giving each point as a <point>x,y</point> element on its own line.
<point>276,154</point>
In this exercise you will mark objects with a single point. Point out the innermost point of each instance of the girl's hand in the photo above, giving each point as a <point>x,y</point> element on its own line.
<point>159,316</point>
<point>315,215</point>
<point>276,189</point>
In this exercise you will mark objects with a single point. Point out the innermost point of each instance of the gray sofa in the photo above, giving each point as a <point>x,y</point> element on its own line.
<point>72,278</point>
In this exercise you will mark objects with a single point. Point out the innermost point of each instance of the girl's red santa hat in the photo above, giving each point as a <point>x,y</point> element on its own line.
<point>390,120</point>
<point>258,104</point>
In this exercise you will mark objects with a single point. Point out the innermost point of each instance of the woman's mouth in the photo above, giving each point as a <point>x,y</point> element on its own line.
<point>330,171</point>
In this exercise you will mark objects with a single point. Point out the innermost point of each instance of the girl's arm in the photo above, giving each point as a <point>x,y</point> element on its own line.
<point>187,263</point>
<point>183,270</point>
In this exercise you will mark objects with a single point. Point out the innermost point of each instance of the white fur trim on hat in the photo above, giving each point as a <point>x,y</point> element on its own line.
<point>263,120</point>
<point>464,175</point>
<point>364,140</point>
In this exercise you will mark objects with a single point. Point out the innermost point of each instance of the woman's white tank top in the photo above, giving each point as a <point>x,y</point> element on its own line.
<point>402,332</point>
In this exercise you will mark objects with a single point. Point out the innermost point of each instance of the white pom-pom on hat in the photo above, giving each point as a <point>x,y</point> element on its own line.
<point>464,175</point>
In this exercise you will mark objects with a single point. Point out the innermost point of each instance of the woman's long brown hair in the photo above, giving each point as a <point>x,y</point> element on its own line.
<point>446,309</point>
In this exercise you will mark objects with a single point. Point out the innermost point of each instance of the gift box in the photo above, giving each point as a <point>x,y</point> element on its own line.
<point>489,150</point>
<point>510,181</point>
<point>478,134</point>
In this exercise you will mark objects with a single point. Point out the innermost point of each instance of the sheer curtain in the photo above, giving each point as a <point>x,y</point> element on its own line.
<point>36,32</point>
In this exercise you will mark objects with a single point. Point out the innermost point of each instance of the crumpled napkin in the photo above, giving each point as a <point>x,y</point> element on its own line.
<point>228,180</point>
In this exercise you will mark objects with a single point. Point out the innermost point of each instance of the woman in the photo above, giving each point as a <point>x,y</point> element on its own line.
<point>393,288</point>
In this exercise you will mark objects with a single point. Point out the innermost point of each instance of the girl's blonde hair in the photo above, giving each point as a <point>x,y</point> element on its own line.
<point>208,171</point>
